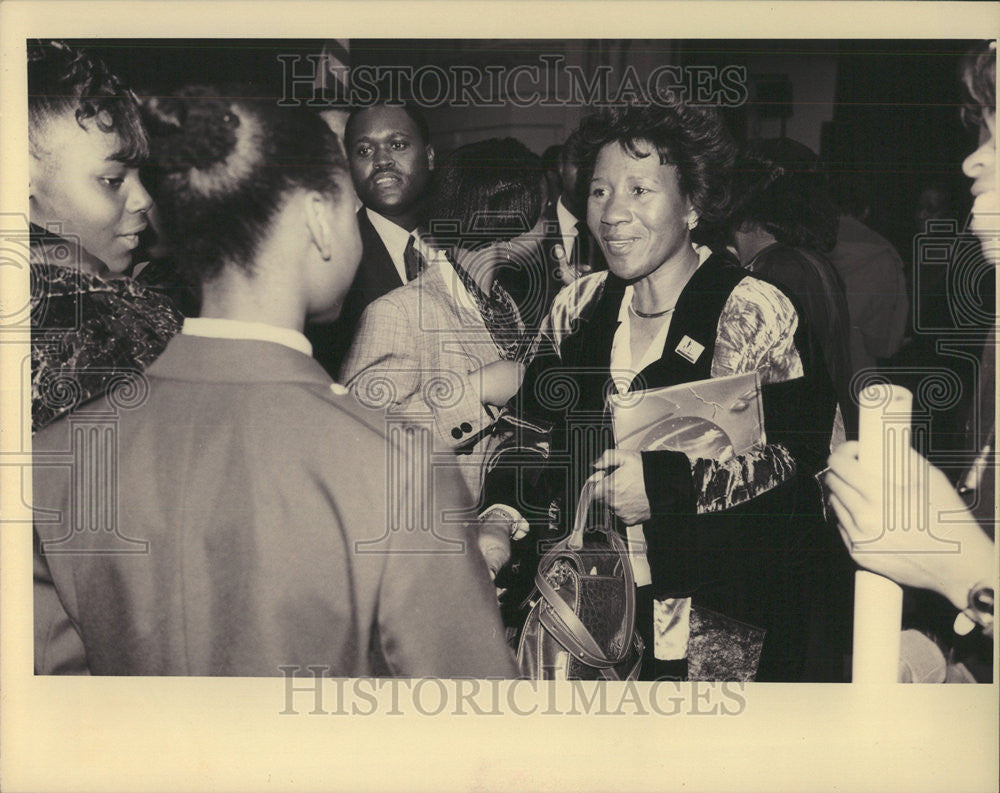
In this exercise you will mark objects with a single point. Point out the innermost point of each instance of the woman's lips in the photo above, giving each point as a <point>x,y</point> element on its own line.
<point>619,245</point>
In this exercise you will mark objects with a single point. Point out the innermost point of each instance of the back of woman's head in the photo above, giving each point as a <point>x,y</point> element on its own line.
<point>222,167</point>
<point>779,186</point>
<point>63,80</point>
<point>486,192</point>
<point>691,138</point>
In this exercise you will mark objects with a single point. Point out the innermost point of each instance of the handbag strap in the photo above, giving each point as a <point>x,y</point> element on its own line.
<point>575,540</point>
<point>572,633</point>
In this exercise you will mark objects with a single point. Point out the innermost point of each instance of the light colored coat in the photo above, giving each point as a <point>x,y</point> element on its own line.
<point>416,354</point>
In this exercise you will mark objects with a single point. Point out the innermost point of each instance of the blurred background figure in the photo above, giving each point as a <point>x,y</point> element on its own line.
<point>783,223</point>
<point>872,274</point>
<point>550,167</point>
<point>91,326</point>
<point>568,249</point>
<point>452,343</point>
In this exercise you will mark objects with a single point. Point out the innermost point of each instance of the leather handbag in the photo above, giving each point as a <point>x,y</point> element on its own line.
<point>581,622</point>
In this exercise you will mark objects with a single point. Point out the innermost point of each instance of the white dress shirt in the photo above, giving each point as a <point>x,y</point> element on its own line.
<point>567,228</point>
<point>396,238</point>
<point>671,616</point>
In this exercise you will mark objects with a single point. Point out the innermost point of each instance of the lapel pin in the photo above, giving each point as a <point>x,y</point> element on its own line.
<point>689,349</point>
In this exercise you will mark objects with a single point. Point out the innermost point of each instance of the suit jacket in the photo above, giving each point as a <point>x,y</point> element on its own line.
<point>535,282</point>
<point>246,530</point>
<point>414,355</point>
<point>377,275</point>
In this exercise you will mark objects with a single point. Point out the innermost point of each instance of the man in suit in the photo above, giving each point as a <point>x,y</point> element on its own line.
<point>568,249</point>
<point>391,157</point>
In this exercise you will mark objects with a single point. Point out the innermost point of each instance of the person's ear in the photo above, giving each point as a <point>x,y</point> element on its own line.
<point>430,157</point>
<point>318,222</point>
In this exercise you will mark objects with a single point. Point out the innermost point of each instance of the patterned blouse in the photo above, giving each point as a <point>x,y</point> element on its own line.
<point>756,332</point>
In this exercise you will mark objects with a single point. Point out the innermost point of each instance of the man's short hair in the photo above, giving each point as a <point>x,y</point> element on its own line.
<point>413,111</point>
<point>64,80</point>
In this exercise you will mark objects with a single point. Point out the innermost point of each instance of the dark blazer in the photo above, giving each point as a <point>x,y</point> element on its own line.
<point>376,276</point>
<point>534,283</point>
<point>247,503</point>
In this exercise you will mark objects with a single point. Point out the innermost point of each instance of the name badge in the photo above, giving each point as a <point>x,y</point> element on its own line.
<point>689,349</point>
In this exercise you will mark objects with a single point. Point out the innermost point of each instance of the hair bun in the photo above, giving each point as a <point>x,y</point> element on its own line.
<point>196,129</point>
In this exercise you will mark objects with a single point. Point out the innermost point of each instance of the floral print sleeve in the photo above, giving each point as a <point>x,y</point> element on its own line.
<point>756,331</point>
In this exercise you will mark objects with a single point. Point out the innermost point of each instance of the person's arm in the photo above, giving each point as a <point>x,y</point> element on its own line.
<point>59,649</point>
<point>520,481</point>
<point>883,322</point>
<point>756,332</point>
<point>965,556</point>
<point>437,610</point>
<point>384,370</point>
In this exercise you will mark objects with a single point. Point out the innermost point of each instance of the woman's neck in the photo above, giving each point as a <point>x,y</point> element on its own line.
<point>257,298</point>
<point>751,242</point>
<point>659,290</point>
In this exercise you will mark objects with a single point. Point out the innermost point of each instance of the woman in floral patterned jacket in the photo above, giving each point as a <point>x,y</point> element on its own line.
<point>722,535</point>
<point>91,330</point>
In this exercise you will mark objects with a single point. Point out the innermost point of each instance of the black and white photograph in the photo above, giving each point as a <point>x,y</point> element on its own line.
<point>581,376</point>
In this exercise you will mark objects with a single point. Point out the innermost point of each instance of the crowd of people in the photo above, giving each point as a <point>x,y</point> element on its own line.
<point>375,381</point>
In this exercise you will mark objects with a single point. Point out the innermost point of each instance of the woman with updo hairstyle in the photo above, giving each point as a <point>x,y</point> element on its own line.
<point>708,537</point>
<point>259,487</point>
<point>452,344</point>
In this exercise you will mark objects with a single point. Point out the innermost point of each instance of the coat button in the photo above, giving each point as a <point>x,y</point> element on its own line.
<point>456,433</point>
<point>465,426</point>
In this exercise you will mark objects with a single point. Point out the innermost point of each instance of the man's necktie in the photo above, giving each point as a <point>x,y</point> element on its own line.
<point>413,260</point>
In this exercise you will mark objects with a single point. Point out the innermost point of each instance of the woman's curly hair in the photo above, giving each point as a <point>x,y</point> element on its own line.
<point>691,138</point>
<point>221,166</point>
<point>62,79</point>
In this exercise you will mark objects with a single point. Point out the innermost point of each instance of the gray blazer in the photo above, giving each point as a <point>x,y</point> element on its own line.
<point>254,519</point>
<point>415,355</point>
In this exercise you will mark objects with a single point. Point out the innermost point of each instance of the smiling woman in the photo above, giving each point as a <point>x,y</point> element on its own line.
<point>90,327</point>
<point>707,533</point>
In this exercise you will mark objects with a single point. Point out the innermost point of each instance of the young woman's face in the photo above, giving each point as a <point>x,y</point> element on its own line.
<point>79,191</point>
<point>636,211</point>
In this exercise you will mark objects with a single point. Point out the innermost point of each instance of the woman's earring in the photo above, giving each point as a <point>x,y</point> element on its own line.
<point>692,221</point>
<point>508,250</point>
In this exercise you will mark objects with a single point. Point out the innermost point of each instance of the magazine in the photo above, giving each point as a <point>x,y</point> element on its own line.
<point>709,419</point>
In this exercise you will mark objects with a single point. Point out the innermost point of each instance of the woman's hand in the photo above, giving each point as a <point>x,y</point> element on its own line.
<point>623,488</point>
<point>499,381</point>
<point>948,556</point>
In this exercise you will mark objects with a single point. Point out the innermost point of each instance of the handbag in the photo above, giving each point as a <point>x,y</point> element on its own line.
<point>581,622</point>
